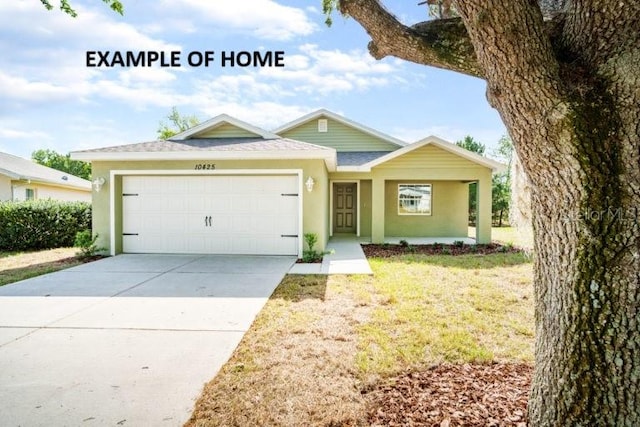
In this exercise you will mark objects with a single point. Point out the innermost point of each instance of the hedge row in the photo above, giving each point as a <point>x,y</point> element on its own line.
<point>41,224</point>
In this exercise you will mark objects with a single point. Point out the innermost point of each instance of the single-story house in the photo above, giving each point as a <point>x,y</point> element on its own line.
<point>22,179</point>
<point>228,187</point>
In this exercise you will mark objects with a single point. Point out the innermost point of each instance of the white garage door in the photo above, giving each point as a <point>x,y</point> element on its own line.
<point>210,214</point>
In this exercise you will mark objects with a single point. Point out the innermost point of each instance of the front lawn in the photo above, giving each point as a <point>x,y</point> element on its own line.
<point>16,266</point>
<point>332,350</point>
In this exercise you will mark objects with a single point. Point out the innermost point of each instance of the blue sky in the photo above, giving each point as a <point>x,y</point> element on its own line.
<point>50,99</point>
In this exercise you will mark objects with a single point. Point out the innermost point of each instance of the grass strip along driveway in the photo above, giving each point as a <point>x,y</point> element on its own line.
<point>362,350</point>
<point>16,266</point>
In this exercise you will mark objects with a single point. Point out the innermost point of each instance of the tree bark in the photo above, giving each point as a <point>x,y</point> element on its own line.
<point>568,91</point>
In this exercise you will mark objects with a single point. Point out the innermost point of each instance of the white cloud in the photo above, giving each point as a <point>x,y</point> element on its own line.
<point>90,29</point>
<point>267,115</point>
<point>152,76</point>
<point>39,92</point>
<point>354,61</point>
<point>316,71</point>
<point>47,65</point>
<point>263,18</point>
<point>22,134</point>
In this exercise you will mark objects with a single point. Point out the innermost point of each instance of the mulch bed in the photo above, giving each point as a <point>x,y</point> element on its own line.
<point>388,250</point>
<point>455,395</point>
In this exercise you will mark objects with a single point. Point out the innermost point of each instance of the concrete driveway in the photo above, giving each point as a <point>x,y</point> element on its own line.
<point>127,340</point>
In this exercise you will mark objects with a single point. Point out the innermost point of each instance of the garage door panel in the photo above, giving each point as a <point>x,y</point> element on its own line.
<point>176,203</point>
<point>196,204</point>
<point>221,224</point>
<point>211,214</point>
<point>173,223</point>
<point>221,185</point>
<point>174,186</point>
<point>285,225</point>
<point>196,186</point>
<point>243,205</point>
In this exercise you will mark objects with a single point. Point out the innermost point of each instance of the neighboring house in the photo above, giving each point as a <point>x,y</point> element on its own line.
<point>226,186</point>
<point>22,179</point>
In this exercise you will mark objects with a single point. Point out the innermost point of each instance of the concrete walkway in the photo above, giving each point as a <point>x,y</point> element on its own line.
<point>347,257</point>
<point>128,340</point>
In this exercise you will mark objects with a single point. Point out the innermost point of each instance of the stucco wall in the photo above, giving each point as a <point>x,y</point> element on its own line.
<point>315,203</point>
<point>449,217</point>
<point>5,188</point>
<point>365,208</point>
<point>374,187</point>
<point>49,192</point>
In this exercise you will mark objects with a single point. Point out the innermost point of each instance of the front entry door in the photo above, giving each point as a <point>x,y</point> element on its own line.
<point>344,208</point>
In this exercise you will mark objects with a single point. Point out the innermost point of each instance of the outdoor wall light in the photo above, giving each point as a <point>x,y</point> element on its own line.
<point>98,183</point>
<point>309,184</point>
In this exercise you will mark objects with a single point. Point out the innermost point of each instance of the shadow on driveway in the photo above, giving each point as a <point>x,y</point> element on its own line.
<point>197,276</point>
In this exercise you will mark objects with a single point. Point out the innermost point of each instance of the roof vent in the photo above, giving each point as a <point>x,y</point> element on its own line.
<point>323,125</point>
<point>65,178</point>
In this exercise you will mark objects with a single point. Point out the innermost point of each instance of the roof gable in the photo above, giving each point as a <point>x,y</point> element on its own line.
<point>432,152</point>
<point>224,126</point>
<point>341,133</point>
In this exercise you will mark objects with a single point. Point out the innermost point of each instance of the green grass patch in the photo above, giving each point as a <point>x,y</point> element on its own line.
<point>469,308</point>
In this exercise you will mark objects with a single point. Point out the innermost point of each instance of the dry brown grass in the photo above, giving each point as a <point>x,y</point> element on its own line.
<point>295,366</point>
<point>321,345</point>
<point>16,266</point>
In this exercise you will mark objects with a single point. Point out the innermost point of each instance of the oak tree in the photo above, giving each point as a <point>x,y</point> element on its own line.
<point>177,123</point>
<point>65,6</point>
<point>62,162</point>
<point>564,76</point>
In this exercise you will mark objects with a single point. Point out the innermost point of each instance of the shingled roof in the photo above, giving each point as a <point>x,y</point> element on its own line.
<point>22,169</point>
<point>359,158</point>
<point>212,148</point>
<point>210,144</point>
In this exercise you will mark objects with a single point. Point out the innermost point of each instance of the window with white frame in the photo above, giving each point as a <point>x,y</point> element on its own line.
<point>414,199</point>
<point>29,194</point>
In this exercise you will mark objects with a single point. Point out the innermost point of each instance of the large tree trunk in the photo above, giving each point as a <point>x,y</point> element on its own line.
<point>586,277</point>
<point>575,127</point>
<point>569,93</point>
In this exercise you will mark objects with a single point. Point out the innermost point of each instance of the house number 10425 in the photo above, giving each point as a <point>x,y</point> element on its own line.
<point>205,166</point>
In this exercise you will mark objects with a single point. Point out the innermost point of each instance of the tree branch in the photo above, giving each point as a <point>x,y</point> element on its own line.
<point>440,43</point>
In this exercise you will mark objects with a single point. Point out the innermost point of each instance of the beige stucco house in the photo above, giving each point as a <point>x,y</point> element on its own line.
<point>226,186</point>
<point>22,179</point>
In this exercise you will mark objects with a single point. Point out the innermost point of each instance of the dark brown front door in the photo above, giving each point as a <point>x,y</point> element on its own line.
<point>344,208</point>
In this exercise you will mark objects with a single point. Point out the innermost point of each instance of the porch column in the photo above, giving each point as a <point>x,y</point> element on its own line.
<point>483,215</point>
<point>377,210</point>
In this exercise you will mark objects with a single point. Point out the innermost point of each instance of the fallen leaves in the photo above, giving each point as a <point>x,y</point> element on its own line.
<point>388,250</point>
<point>455,395</point>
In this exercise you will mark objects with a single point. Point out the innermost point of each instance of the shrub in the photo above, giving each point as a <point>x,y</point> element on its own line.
<point>42,224</point>
<point>86,244</point>
<point>311,239</point>
<point>311,255</point>
<point>458,243</point>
